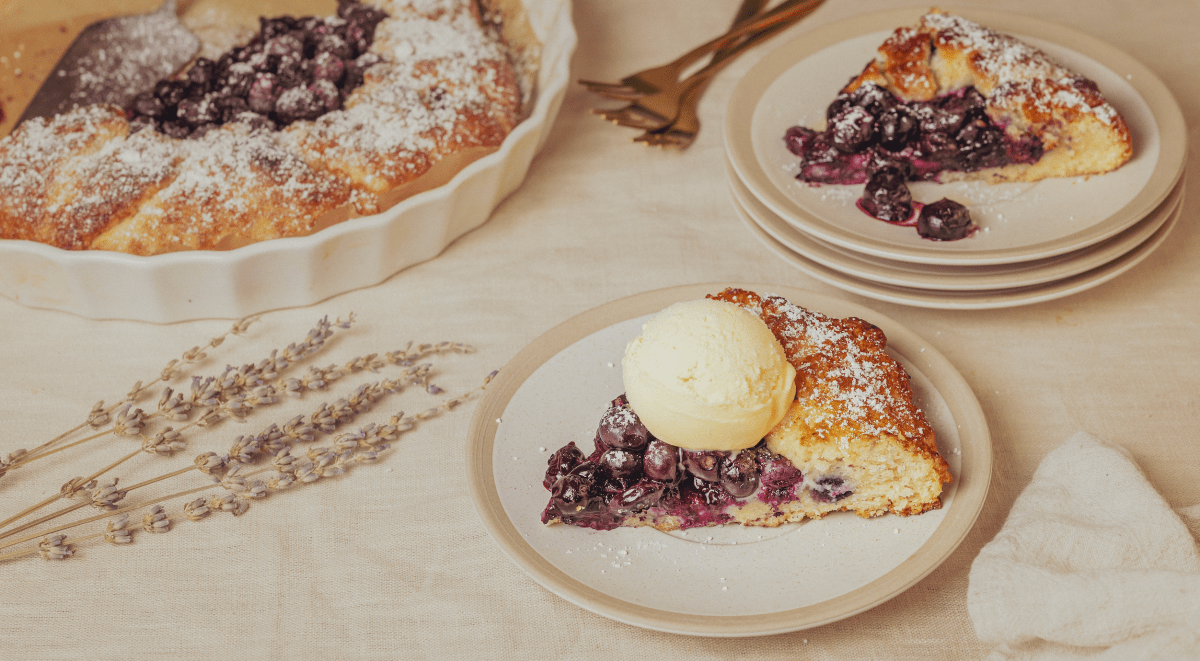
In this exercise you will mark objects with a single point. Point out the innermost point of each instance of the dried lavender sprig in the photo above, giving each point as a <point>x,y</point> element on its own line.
<point>175,407</point>
<point>396,425</point>
<point>326,419</point>
<point>99,415</point>
<point>207,462</point>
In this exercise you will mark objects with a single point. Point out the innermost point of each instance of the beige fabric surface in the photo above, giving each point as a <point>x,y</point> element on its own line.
<point>390,561</point>
<point>1091,564</point>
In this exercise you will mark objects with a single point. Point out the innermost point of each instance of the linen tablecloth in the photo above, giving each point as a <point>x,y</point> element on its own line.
<point>392,562</point>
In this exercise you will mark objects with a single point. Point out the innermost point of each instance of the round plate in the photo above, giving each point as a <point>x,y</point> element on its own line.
<point>953,278</point>
<point>726,580</point>
<point>1025,221</point>
<point>303,270</point>
<point>966,300</point>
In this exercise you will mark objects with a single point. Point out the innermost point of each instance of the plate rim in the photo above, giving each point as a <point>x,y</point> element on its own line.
<point>971,491</point>
<point>1157,96</point>
<point>957,300</point>
<point>1112,248</point>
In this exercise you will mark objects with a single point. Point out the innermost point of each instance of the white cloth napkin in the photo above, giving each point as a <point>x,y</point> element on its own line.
<point>1091,564</point>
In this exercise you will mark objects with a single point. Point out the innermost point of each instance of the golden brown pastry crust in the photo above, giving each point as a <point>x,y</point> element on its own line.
<point>445,93</point>
<point>1026,92</point>
<point>854,408</point>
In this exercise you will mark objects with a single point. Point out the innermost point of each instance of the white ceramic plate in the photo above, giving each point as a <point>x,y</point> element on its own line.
<point>953,278</point>
<point>304,270</point>
<point>794,84</point>
<point>722,581</point>
<point>965,300</point>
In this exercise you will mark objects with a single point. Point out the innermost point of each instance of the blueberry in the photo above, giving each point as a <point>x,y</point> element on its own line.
<point>263,63</point>
<point>573,496</point>
<point>366,16</point>
<point>237,79</point>
<point>327,94</point>
<point>637,498</point>
<point>290,72</point>
<point>839,104</point>
<point>329,67</point>
<point>334,45</point>
<point>739,475</point>
<point>171,92</point>
<point>968,104</point>
<point>778,476</point>
<point>872,98</point>
<point>937,147</point>
<point>297,103</point>
<point>198,111</point>
<point>561,463</point>
<point>621,428</point>
<point>882,161</point>
<point>622,466</point>
<point>235,103</point>
<point>830,490</point>
<point>711,493</point>
<point>360,27</point>
<point>945,220</point>
<point>797,139</point>
<point>852,131</point>
<point>980,145</point>
<point>148,104</point>
<point>202,73</point>
<point>263,93</point>
<point>886,197</point>
<point>704,464</point>
<point>896,127</point>
<point>824,163</point>
<point>284,45</point>
<point>661,461</point>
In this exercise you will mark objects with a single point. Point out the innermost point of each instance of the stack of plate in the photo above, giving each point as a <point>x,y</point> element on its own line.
<point>1036,241</point>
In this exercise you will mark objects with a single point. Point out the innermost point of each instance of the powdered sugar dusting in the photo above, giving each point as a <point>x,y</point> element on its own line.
<point>440,88</point>
<point>32,155</point>
<point>1012,72</point>
<point>842,371</point>
<point>442,84</point>
<point>129,55</point>
<point>108,184</point>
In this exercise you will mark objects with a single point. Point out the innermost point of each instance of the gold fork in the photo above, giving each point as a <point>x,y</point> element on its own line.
<point>681,131</point>
<point>666,77</point>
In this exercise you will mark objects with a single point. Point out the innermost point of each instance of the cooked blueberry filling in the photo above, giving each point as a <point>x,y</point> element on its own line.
<point>631,472</point>
<point>887,198</point>
<point>928,137</point>
<point>829,489</point>
<point>944,220</point>
<point>293,69</point>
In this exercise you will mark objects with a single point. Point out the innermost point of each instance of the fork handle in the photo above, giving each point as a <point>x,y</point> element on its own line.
<point>724,56</point>
<point>784,11</point>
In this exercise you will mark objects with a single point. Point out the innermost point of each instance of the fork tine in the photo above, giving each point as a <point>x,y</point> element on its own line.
<point>668,138</point>
<point>615,90</point>
<point>634,116</point>
<point>620,96</point>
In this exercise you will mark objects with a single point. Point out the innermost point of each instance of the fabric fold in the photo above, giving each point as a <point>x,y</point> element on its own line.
<point>1092,563</point>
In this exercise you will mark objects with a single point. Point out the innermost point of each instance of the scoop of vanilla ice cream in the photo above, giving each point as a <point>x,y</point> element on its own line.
<point>708,375</point>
